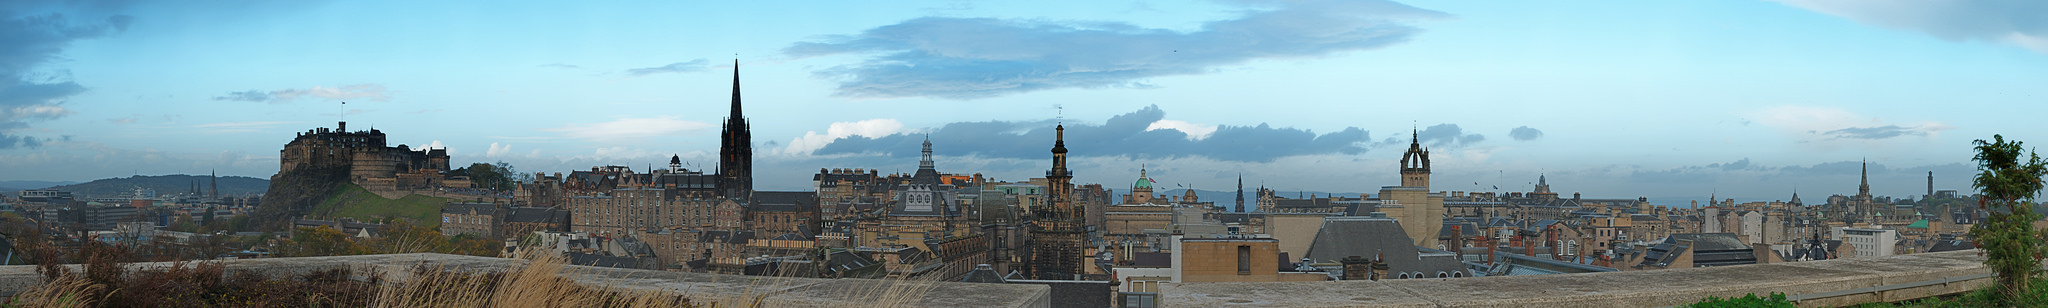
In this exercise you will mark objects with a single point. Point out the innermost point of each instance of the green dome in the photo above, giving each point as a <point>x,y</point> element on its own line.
<point>1142,183</point>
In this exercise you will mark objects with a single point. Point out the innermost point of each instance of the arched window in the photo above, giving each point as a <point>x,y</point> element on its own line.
<point>1441,274</point>
<point>1458,274</point>
<point>1404,276</point>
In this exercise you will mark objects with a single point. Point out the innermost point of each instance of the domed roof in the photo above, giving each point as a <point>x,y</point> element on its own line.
<point>1142,183</point>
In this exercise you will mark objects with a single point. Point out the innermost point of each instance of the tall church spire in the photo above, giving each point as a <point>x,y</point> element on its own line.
<point>735,88</point>
<point>1864,189</point>
<point>736,148</point>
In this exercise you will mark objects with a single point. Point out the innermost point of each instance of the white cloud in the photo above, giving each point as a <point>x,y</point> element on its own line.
<point>634,130</point>
<point>497,150</point>
<point>871,128</point>
<point>1194,131</point>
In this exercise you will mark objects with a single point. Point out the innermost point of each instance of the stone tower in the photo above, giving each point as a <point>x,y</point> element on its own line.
<point>736,148</point>
<point>1056,243</point>
<point>1415,164</point>
<point>1419,211</point>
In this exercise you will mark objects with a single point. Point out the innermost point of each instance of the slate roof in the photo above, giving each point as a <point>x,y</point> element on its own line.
<point>1343,237</point>
<point>537,215</point>
<point>1708,249</point>
<point>784,201</point>
<point>578,258</point>
<point>465,208</point>
<point>983,273</point>
<point>692,181</point>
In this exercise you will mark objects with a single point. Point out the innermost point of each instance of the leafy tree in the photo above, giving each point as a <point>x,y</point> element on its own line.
<point>323,241</point>
<point>497,176</point>
<point>2007,186</point>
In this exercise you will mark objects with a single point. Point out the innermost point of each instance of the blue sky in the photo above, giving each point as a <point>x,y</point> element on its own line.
<point>1664,99</point>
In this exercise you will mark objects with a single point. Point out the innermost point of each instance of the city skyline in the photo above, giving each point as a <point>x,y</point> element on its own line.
<point>1742,100</point>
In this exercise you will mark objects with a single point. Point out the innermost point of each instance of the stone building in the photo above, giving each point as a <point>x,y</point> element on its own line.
<point>779,212</point>
<point>847,193</point>
<point>473,219</point>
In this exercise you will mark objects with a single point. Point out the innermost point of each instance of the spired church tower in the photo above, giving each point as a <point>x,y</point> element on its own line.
<point>1415,164</point>
<point>1420,212</point>
<point>736,148</point>
<point>1056,243</point>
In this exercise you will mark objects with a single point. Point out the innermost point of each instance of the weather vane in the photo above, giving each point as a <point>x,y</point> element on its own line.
<point>1060,113</point>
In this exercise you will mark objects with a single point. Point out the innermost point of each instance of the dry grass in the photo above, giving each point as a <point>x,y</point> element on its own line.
<point>537,283</point>
<point>541,282</point>
<point>66,292</point>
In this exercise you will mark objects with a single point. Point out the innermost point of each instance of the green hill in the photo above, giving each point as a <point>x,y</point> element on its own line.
<point>352,201</point>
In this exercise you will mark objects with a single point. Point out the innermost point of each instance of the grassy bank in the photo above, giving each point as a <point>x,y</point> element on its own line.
<point>354,202</point>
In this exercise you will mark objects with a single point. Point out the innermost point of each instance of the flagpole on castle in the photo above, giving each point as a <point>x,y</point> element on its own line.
<point>344,111</point>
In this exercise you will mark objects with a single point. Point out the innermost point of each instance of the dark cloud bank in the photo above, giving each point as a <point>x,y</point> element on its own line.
<point>968,58</point>
<point>1122,135</point>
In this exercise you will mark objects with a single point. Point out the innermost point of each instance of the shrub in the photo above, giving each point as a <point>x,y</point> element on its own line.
<point>1776,300</point>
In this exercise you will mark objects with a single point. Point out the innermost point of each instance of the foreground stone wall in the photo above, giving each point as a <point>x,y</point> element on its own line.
<point>770,291</point>
<point>1814,284</point>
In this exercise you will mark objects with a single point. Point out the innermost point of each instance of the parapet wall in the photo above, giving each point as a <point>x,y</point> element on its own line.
<point>1811,284</point>
<point>771,291</point>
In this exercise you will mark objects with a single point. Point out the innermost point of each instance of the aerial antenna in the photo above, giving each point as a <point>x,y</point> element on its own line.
<point>1060,114</point>
<point>344,111</point>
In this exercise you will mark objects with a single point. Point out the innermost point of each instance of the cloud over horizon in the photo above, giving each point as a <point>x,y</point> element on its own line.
<point>372,92</point>
<point>2018,22</point>
<point>970,58</point>
<point>28,41</point>
<point>1123,135</point>
<point>697,65</point>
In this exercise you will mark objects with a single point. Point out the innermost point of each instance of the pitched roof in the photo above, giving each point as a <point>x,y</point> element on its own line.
<point>1343,237</point>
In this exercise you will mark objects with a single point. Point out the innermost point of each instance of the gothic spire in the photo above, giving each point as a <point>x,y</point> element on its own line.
<point>735,88</point>
<point>1864,189</point>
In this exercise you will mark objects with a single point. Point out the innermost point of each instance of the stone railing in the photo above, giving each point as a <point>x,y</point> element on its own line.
<point>1811,284</point>
<point>767,291</point>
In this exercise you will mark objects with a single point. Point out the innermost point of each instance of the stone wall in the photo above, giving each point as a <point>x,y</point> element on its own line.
<point>1814,284</point>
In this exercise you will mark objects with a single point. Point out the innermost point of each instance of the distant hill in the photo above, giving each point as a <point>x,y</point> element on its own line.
<point>10,188</point>
<point>20,185</point>
<point>166,185</point>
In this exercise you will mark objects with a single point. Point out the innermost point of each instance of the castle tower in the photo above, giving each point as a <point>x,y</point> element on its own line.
<point>1930,186</point>
<point>1056,243</point>
<point>1240,193</point>
<point>1415,164</point>
<point>736,148</point>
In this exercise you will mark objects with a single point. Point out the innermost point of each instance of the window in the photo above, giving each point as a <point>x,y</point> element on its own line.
<point>1244,260</point>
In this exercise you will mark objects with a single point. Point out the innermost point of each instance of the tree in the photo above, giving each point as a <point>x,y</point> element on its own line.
<point>488,176</point>
<point>2006,187</point>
